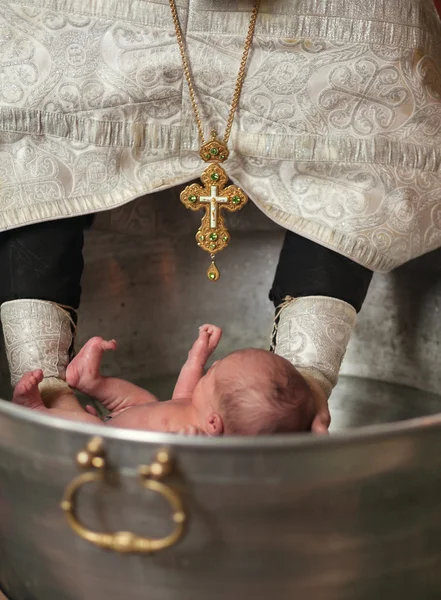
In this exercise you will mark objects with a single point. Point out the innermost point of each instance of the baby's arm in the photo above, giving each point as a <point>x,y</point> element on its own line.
<point>193,369</point>
<point>83,374</point>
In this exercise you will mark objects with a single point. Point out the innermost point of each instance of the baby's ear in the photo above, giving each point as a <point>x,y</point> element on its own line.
<point>215,424</point>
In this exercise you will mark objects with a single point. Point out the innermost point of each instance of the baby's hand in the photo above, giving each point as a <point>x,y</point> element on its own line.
<point>213,335</point>
<point>191,430</point>
<point>206,344</point>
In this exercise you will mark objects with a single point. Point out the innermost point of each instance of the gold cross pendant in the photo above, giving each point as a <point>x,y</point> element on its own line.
<point>212,236</point>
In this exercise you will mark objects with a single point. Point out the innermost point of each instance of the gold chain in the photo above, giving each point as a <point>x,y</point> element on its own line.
<point>240,77</point>
<point>212,235</point>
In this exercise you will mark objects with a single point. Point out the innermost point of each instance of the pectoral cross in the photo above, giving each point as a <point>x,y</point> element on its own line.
<point>214,200</point>
<point>212,236</point>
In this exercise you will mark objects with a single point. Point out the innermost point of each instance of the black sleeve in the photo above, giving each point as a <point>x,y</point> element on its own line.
<point>307,269</point>
<point>44,261</point>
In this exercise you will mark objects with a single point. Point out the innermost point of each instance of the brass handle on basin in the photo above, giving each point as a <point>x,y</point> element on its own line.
<point>124,541</point>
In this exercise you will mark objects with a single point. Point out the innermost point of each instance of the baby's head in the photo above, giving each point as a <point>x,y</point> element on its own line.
<point>253,392</point>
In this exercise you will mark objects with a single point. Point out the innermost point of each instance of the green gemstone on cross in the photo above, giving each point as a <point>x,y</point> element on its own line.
<point>213,236</point>
<point>225,238</point>
<point>207,156</point>
<point>212,275</point>
<point>214,151</point>
<point>193,199</point>
<point>215,176</point>
<point>222,156</point>
<point>212,246</point>
<point>202,238</point>
<point>236,200</point>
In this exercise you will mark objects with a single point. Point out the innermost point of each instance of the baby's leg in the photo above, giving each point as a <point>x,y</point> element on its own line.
<point>193,369</point>
<point>83,374</point>
<point>27,394</point>
<point>115,394</point>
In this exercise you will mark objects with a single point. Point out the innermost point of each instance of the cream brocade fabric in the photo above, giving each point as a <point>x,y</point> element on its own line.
<point>338,135</point>
<point>313,333</point>
<point>38,335</point>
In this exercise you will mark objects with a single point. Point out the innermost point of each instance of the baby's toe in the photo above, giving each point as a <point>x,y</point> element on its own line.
<point>21,388</point>
<point>108,345</point>
<point>26,383</point>
<point>29,384</point>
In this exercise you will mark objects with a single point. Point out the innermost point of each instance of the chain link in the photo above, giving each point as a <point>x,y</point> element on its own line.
<point>240,77</point>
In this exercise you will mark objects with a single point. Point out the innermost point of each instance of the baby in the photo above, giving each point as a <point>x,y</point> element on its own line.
<point>249,392</point>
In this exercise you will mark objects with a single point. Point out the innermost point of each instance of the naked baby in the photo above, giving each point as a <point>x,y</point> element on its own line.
<point>249,392</point>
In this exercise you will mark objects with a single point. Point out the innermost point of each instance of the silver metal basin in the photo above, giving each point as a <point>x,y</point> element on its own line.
<point>355,516</point>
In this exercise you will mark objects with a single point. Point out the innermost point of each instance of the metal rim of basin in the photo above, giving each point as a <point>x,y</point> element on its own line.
<point>368,433</point>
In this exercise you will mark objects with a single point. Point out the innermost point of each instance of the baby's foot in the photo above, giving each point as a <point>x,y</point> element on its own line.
<point>83,373</point>
<point>26,392</point>
<point>206,344</point>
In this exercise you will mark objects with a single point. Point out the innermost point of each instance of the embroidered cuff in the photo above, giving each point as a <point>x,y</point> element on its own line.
<point>38,335</point>
<point>313,333</point>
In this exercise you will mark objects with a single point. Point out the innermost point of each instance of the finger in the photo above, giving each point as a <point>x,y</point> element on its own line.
<point>191,430</point>
<point>184,431</point>
<point>109,345</point>
<point>321,423</point>
<point>38,374</point>
<point>91,410</point>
